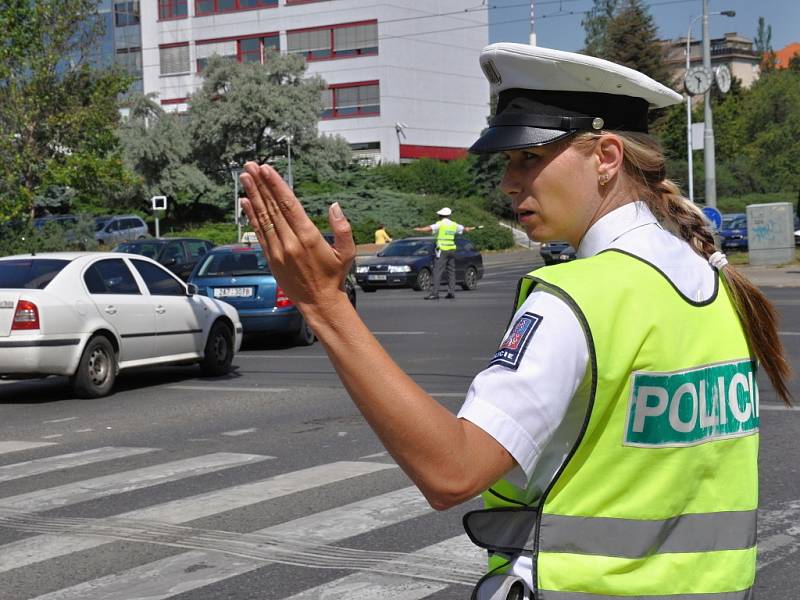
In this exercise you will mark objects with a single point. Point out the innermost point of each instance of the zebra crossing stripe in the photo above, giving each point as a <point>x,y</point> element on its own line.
<point>242,553</point>
<point>11,446</point>
<point>66,461</point>
<point>454,557</point>
<point>53,545</point>
<point>126,481</point>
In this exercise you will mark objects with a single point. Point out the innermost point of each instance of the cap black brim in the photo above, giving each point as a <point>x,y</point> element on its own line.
<point>500,139</point>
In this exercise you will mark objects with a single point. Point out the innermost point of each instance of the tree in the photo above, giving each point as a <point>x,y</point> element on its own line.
<point>243,110</point>
<point>763,46</point>
<point>595,25</point>
<point>632,40</point>
<point>57,113</point>
<point>794,62</point>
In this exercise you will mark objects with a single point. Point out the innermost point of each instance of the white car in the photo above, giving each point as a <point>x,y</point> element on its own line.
<point>89,315</point>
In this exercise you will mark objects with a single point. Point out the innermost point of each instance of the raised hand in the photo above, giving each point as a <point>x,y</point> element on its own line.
<point>308,268</point>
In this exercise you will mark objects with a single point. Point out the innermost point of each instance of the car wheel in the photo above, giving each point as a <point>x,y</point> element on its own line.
<point>218,354</point>
<point>304,335</point>
<point>470,279</point>
<point>97,369</point>
<point>367,289</point>
<point>423,281</point>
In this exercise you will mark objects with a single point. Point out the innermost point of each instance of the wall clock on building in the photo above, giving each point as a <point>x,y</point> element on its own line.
<point>722,75</point>
<point>698,80</point>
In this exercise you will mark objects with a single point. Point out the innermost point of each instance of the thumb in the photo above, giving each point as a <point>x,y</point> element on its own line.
<point>342,233</point>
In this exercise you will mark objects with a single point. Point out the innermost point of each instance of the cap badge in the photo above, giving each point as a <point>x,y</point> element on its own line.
<point>491,72</point>
<point>597,123</point>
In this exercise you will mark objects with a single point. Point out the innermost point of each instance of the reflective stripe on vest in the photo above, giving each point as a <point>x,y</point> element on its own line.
<point>657,498</point>
<point>446,235</point>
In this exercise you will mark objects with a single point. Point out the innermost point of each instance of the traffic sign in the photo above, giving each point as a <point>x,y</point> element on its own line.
<point>713,215</point>
<point>159,202</point>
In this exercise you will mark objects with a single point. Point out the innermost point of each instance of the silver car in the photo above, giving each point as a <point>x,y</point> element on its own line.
<point>113,230</point>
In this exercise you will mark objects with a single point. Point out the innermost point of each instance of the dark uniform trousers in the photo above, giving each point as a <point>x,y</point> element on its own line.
<point>445,259</point>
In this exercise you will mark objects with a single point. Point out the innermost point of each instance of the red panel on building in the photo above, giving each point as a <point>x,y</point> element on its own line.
<point>437,152</point>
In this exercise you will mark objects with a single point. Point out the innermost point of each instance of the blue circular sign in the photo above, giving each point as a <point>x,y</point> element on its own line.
<point>713,215</point>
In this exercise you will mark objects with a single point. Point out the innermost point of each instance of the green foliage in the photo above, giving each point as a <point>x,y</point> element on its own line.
<point>632,40</point>
<point>53,105</point>
<point>20,237</point>
<point>740,203</point>
<point>219,233</point>
<point>424,176</point>
<point>595,24</point>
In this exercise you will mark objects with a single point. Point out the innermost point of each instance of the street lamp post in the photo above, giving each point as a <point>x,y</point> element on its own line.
<point>689,145</point>
<point>235,171</point>
<point>289,178</point>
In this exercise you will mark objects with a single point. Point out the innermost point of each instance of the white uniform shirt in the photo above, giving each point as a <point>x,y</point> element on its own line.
<point>529,411</point>
<point>435,226</point>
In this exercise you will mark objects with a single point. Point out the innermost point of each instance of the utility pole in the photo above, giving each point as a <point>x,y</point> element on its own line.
<point>533,23</point>
<point>708,132</point>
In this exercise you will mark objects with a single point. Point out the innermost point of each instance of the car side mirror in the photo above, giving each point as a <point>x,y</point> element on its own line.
<point>191,289</point>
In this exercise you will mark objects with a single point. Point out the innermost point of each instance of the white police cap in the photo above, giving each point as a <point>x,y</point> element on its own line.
<point>546,95</point>
<point>444,212</point>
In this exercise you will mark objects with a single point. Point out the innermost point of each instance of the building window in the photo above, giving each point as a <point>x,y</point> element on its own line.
<point>173,9</point>
<point>351,100</point>
<point>174,59</point>
<point>338,41</point>
<point>249,49</point>
<point>210,7</point>
<point>131,60</point>
<point>126,13</point>
<point>290,2</point>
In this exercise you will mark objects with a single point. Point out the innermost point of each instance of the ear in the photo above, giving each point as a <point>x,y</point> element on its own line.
<point>609,152</point>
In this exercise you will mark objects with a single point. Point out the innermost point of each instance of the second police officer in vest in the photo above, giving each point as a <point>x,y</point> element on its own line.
<point>614,434</point>
<point>445,231</point>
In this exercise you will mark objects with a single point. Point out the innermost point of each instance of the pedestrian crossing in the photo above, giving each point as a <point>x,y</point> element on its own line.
<point>48,528</point>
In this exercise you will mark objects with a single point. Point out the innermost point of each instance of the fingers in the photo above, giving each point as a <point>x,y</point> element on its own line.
<point>256,209</point>
<point>342,234</point>
<point>290,208</point>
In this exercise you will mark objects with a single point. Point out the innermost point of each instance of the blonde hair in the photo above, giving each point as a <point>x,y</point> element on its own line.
<point>644,169</point>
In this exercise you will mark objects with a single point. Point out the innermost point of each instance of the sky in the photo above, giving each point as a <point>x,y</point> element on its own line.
<point>558,22</point>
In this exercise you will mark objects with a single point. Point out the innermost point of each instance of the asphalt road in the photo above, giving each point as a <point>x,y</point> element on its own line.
<point>267,484</point>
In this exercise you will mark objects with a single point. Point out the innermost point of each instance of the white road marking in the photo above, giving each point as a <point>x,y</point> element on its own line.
<point>789,333</point>
<point>61,420</point>
<point>52,437</point>
<point>220,388</point>
<point>376,455</point>
<point>87,430</point>
<point>239,432</point>
<point>9,446</point>
<point>54,544</point>
<point>126,481</point>
<point>458,555</point>
<point>66,461</point>
<point>777,407</point>
<point>299,542</point>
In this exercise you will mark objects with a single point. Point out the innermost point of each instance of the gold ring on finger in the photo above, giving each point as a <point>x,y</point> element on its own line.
<point>269,227</point>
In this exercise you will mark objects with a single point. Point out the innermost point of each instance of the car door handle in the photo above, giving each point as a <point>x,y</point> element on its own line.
<point>111,309</point>
<point>160,309</point>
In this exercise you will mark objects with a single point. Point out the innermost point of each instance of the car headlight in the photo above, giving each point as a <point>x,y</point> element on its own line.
<point>399,269</point>
<point>362,269</point>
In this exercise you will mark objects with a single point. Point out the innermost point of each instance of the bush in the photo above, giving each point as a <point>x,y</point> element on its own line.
<point>218,233</point>
<point>739,203</point>
<point>20,237</point>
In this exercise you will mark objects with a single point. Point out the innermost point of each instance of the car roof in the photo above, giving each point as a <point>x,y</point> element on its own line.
<point>232,247</point>
<point>72,255</point>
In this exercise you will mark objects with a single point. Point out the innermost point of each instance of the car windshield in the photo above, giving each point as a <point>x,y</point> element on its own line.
<point>733,222</point>
<point>408,248</point>
<point>29,273</point>
<point>148,249</point>
<point>100,223</point>
<point>236,263</point>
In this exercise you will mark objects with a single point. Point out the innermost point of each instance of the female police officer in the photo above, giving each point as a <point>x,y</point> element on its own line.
<point>615,432</point>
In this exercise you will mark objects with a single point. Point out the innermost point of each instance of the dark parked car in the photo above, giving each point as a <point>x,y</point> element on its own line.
<point>179,255</point>
<point>65,221</point>
<point>239,275</point>
<point>733,231</point>
<point>556,252</point>
<point>409,263</point>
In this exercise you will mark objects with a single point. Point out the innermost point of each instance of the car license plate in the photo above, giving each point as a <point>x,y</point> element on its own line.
<point>377,277</point>
<point>233,292</point>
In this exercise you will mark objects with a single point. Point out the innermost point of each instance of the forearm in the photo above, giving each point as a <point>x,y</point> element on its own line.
<point>435,448</point>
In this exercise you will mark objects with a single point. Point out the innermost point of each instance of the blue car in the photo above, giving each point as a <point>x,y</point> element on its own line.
<point>409,263</point>
<point>733,231</point>
<point>239,275</point>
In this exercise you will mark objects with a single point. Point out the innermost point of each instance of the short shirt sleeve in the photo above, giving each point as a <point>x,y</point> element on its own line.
<point>523,395</point>
<point>459,229</point>
<point>434,227</point>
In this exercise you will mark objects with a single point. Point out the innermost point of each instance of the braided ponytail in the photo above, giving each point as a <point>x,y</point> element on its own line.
<point>643,165</point>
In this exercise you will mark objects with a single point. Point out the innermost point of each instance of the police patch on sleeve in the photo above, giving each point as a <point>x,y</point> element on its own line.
<point>513,347</point>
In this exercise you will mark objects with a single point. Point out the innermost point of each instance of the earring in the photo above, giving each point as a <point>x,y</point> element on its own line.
<point>603,178</point>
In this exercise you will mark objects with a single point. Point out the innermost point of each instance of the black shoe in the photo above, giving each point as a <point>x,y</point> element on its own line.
<point>450,296</point>
<point>432,297</point>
